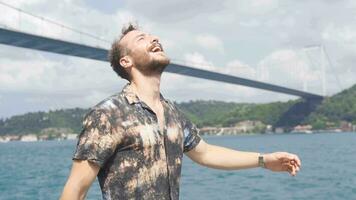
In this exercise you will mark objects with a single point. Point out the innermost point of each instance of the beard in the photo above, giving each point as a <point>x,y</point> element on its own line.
<point>153,64</point>
<point>159,64</point>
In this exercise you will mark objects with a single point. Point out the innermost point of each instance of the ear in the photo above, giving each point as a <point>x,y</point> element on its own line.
<point>126,62</point>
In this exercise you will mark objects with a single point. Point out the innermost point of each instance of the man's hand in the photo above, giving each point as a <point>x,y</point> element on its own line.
<point>282,161</point>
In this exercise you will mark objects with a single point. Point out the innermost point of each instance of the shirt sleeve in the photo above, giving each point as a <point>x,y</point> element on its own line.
<point>191,136</point>
<point>96,142</point>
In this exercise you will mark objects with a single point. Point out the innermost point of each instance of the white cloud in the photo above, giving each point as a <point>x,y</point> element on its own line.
<point>343,34</point>
<point>250,23</point>
<point>237,68</point>
<point>55,81</point>
<point>18,3</point>
<point>172,11</point>
<point>256,7</point>
<point>291,69</point>
<point>42,74</point>
<point>193,88</point>
<point>75,17</point>
<point>196,59</point>
<point>60,100</point>
<point>210,42</point>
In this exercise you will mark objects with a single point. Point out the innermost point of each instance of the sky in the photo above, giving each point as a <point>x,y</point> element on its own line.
<point>274,41</point>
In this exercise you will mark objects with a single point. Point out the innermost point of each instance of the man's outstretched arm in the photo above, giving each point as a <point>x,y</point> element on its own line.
<point>82,175</point>
<point>228,159</point>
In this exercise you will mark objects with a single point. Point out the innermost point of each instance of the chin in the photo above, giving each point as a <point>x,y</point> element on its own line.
<point>154,63</point>
<point>161,60</point>
<point>158,65</point>
<point>165,61</point>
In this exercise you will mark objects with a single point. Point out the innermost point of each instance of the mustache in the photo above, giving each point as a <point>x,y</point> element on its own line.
<point>156,44</point>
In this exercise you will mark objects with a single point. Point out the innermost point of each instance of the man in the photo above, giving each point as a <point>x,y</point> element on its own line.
<point>134,141</point>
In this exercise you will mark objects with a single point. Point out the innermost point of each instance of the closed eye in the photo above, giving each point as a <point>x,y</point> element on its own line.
<point>140,37</point>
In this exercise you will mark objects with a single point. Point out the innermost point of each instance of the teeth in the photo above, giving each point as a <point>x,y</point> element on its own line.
<point>156,49</point>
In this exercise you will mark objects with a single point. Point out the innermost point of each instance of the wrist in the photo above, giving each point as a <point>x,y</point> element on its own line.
<point>261,161</point>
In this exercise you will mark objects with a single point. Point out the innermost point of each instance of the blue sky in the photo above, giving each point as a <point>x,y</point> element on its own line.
<point>259,39</point>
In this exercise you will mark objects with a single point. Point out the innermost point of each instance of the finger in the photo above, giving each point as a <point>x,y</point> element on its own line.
<point>290,164</point>
<point>295,170</point>
<point>298,161</point>
<point>293,157</point>
<point>287,167</point>
<point>295,164</point>
<point>286,161</point>
<point>292,169</point>
<point>297,167</point>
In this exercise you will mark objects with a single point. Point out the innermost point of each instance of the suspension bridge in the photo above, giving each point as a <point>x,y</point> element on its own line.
<point>14,36</point>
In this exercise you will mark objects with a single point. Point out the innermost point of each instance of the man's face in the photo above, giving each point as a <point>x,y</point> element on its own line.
<point>145,51</point>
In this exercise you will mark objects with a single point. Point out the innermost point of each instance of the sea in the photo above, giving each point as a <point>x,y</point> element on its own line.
<point>39,170</point>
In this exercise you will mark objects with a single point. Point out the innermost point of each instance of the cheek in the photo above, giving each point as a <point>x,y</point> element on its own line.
<point>139,48</point>
<point>139,53</point>
<point>142,58</point>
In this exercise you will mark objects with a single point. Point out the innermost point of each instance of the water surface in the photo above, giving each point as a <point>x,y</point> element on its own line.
<point>38,170</point>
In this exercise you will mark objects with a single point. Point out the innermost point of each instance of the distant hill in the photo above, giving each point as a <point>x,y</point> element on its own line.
<point>331,112</point>
<point>34,122</point>
<point>217,113</point>
<point>335,109</point>
<point>207,113</point>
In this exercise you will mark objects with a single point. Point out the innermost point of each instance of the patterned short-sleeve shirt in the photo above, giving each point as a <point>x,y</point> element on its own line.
<point>137,161</point>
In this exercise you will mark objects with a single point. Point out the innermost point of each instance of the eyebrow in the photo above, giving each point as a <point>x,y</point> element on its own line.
<point>142,34</point>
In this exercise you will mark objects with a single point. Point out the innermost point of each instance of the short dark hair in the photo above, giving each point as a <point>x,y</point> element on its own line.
<point>117,51</point>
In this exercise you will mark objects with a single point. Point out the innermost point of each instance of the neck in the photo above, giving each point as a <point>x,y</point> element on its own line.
<point>147,88</point>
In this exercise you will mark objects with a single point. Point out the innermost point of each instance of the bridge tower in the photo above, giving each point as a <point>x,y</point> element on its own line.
<point>318,60</point>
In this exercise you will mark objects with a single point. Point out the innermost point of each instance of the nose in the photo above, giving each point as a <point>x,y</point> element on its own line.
<point>154,39</point>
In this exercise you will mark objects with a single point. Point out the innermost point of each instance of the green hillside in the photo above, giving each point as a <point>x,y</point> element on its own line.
<point>34,122</point>
<point>330,113</point>
<point>207,113</point>
<point>333,110</point>
<point>216,113</point>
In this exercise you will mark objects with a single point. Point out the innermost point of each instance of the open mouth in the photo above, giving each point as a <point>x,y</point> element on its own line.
<point>156,48</point>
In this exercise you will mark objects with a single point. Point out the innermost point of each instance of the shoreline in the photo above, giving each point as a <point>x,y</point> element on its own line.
<point>18,138</point>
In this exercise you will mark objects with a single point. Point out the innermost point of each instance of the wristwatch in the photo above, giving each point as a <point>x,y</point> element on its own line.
<point>261,162</point>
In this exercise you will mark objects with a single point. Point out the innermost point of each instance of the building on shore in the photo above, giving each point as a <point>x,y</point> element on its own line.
<point>247,126</point>
<point>28,138</point>
<point>279,130</point>
<point>4,139</point>
<point>71,136</point>
<point>302,129</point>
<point>346,126</point>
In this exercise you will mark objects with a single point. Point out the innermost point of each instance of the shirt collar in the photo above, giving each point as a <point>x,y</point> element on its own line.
<point>131,97</point>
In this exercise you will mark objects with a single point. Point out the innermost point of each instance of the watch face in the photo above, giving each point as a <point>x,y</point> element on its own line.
<point>261,162</point>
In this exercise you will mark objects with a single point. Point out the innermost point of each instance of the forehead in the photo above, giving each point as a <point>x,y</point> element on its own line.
<point>130,36</point>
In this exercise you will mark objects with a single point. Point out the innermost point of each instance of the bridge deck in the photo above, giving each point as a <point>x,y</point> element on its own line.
<point>26,40</point>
